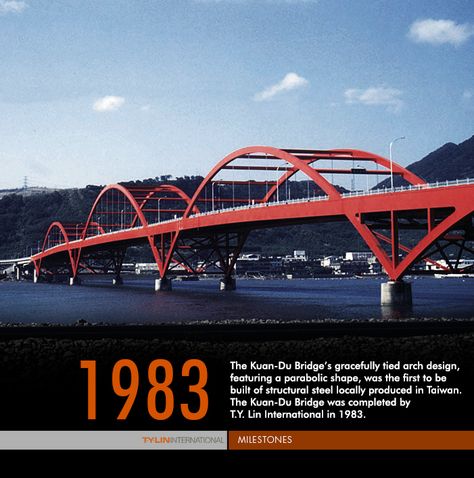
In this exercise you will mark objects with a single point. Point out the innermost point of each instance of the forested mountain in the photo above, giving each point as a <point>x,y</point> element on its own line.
<point>25,219</point>
<point>451,161</point>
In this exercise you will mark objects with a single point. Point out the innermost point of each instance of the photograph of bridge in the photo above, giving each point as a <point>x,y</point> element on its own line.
<point>238,218</point>
<point>130,152</point>
<point>213,224</point>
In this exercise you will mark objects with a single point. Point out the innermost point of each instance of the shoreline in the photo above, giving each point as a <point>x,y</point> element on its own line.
<point>244,331</point>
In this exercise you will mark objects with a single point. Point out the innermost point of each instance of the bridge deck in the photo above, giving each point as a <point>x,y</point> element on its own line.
<point>122,216</point>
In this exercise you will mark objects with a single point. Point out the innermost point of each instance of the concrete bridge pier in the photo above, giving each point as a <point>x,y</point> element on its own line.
<point>395,293</point>
<point>17,272</point>
<point>74,280</point>
<point>163,283</point>
<point>117,280</point>
<point>228,283</point>
<point>35,276</point>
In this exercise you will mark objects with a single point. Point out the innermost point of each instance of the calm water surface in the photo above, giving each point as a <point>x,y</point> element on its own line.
<point>307,299</point>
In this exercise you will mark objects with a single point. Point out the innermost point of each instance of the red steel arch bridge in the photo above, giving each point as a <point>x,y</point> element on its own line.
<point>251,189</point>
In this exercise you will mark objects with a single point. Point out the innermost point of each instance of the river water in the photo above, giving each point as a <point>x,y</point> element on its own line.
<point>307,299</point>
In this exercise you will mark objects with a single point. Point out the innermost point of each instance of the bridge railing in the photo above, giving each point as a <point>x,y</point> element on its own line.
<point>257,205</point>
<point>411,187</point>
<point>437,184</point>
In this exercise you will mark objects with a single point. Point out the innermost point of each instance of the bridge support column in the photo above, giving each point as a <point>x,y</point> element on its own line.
<point>164,283</point>
<point>228,283</point>
<point>117,280</point>
<point>17,273</point>
<point>117,261</point>
<point>35,276</point>
<point>396,293</point>
<point>74,280</point>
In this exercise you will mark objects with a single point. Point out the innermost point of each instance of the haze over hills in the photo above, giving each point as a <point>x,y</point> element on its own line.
<point>27,191</point>
<point>24,218</point>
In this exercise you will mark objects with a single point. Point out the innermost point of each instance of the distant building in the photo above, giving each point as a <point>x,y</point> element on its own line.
<point>354,267</point>
<point>353,263</point>
<point>334,262</point>
<point>358,256</point>
<point>300,255</point>
<point>442,264</point>
<point>248,265</point>
<point>374,266</point>
<point>298,269</point>
<point>249,257</point>
<point>141,267</point>
<point>145,267</point>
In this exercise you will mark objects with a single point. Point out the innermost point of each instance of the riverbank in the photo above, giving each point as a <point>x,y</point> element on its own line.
<point>50,356</point>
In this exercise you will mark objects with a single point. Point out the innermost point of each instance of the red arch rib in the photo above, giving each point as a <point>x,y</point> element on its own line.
<point>165,188</point>
<point>280,181</point>
<point>347,154</point>
<point>126,193</point>
<point>61,228</point>
<point>138,210</point>
<point>408,176</point>
<point>50,228</point>
<point>300,165</point>
<point>98,226</point>
<point>180,193</point>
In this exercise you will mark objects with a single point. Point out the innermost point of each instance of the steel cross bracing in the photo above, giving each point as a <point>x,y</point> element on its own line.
<point>251,188</point>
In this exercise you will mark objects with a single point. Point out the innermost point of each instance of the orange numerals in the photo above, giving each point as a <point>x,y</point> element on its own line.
<point>198,388</point>
<point>162,387</point>
<point>90,365</point>
<point>126,370</point>
<point>131,391</point>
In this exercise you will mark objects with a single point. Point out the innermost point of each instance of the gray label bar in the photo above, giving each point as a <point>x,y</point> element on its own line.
<point>113,440</point>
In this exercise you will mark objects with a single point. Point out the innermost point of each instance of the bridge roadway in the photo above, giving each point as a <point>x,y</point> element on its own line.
<point>441,214</point>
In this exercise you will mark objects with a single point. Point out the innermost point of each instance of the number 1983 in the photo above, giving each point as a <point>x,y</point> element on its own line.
<point>156,388</point>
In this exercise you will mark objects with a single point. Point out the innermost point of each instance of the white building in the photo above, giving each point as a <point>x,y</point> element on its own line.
<point>300,255</point>
<point>358,256</point>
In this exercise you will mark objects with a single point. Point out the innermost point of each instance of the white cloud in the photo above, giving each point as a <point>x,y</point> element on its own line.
<point>291,81</point>
<point>11,6</point>
<point>145,108</point>
<point>108,103</point>
<point>467,99</point>
<point>376,95</point>
<point>438,32</point>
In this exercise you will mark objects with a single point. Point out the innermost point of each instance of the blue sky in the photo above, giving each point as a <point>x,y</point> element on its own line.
<point>93,92</point>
